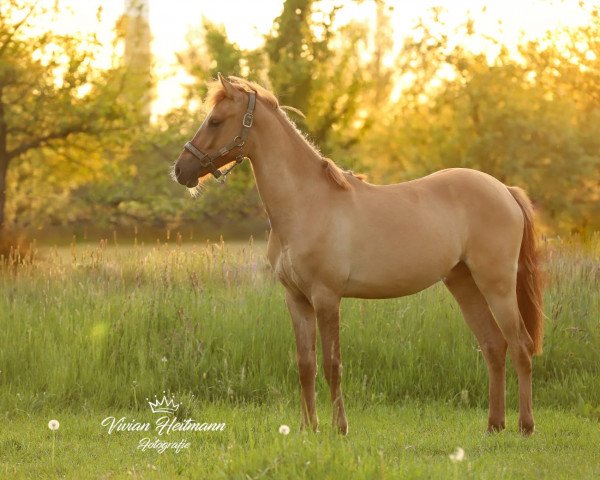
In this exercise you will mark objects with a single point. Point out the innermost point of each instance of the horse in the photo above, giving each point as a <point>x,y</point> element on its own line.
<point>334,235</point>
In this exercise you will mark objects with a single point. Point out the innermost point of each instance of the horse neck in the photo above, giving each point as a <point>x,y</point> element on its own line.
<point>288,171</point>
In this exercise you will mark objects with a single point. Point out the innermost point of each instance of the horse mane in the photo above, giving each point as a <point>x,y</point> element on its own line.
<point>335,174</point>
<point>338,176</point>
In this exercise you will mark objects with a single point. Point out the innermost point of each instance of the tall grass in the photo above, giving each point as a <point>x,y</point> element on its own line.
<point>98,327</point>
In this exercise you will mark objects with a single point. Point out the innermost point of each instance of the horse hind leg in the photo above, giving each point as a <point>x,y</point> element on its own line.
<point>499,287</point>
<point>491,341</point>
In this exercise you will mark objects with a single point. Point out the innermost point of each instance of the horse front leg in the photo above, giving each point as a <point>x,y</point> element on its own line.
<point>327,307</point>
<point>305,331</point>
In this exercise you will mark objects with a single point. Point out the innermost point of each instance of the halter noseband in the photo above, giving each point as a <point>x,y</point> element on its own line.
<point>206,160</point>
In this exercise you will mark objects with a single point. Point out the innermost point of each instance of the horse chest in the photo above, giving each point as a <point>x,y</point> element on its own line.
<point>286,272</point>
<point>300,272</point>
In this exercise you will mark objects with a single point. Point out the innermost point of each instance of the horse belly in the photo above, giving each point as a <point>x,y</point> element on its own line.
<point>391,285</point>
<point>403,270</point>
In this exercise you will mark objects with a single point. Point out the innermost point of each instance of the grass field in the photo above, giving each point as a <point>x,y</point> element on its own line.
<point>91,331</point>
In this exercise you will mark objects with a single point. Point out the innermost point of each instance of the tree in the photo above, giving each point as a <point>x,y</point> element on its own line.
<point>528,118</point>
<point>302,57</point>
<point>209,52</point>
<point>307,57</point>
<point>53,102</point>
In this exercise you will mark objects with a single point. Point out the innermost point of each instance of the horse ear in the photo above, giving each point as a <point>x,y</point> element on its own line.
<point>230,90</point>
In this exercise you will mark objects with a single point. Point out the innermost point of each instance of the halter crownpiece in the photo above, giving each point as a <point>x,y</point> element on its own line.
<point>206,160</point>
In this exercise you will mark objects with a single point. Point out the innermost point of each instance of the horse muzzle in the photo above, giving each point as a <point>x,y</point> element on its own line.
<point>186,172</point>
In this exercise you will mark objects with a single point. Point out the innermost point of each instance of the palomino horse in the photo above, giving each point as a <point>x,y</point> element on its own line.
<point>334,235</point>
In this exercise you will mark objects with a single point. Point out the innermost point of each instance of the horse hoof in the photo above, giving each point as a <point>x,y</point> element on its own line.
<point>495,427</point>
<point>305,428</point>
<point>526,428</point>
<point>343,429</point>
<point>309,428</point>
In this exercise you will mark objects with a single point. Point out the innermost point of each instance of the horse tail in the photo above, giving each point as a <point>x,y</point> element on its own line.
<point>529,281</point>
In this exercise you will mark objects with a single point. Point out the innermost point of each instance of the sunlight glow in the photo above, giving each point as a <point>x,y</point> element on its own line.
<point>246,24</point>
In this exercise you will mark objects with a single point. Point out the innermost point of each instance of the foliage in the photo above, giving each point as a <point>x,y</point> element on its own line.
<point>529,119</point>
<point>446,98</point>
<point>306,57</point>
<point>209,52</point>
<point>61,118</point>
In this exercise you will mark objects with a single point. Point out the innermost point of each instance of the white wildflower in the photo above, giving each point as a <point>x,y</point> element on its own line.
<point>284,429</point>
<point>457,456</point>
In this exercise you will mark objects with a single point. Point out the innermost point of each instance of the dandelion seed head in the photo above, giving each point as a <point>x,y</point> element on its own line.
<point>457,456</point>
<point>53,425</point>
<point>284,429</point>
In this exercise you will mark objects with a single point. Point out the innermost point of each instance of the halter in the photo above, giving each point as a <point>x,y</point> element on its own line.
<point>206,160</point>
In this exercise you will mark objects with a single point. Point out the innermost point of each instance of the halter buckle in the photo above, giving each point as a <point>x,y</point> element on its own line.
<point>248,119</point>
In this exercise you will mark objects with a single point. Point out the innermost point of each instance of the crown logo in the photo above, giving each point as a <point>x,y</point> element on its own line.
<point>164,405</point>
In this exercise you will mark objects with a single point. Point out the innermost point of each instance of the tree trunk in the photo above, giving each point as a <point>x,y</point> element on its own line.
<point>3,170</point>
<point>4,159</point>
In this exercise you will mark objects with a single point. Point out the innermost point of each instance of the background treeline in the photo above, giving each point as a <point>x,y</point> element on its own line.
<point>77,148</point>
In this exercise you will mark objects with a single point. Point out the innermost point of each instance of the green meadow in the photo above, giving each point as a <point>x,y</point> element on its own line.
<point>91,331</point>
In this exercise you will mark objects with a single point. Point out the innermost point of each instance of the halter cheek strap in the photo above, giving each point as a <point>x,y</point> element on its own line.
<point>206,160</point>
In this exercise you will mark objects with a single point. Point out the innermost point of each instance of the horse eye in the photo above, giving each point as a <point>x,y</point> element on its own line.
<point>214,122</point>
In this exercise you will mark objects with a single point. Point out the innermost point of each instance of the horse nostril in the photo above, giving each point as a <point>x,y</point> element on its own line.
<point>177,171</point>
